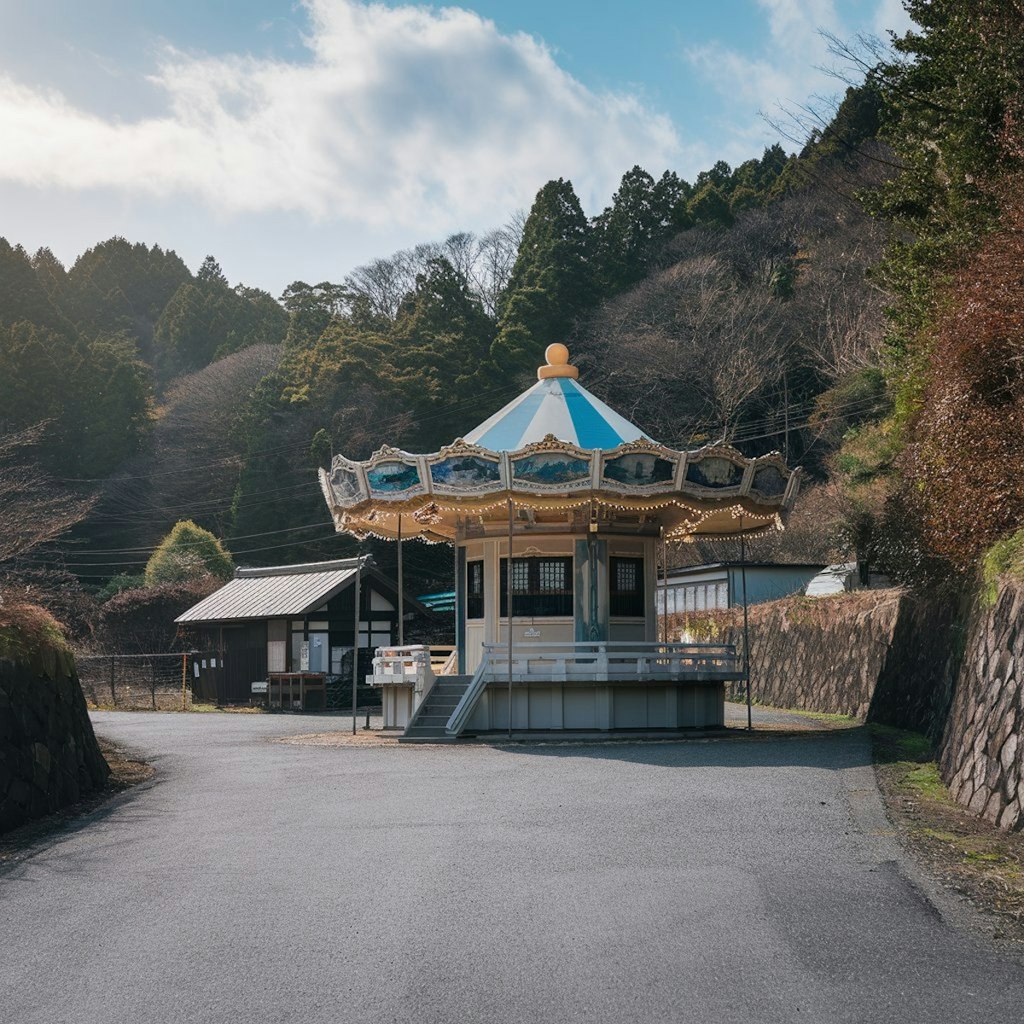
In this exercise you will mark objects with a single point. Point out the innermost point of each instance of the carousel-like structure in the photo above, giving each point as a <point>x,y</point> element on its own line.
<point>557,508</point>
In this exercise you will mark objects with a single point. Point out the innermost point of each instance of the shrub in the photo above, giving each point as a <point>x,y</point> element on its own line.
<point>187,553</point>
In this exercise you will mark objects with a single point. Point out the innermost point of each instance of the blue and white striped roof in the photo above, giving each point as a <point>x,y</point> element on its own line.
<point>558,406</point>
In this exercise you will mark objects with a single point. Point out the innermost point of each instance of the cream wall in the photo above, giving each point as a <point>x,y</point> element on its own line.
<point>494,629</point>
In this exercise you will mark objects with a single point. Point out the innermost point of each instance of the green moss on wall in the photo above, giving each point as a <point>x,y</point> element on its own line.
<point>1004,559</point>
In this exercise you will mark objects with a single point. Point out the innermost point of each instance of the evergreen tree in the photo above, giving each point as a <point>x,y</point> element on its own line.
<point>206,320</point>
<point>96,393</point>
<point>22,296</point>
<point>628,234</point>
<point>118,286</point>
<point>311,309</point>
<point>552,282</point>
<point>51,275</point>
<point>952,111</point>
<point>442,337</point>
<point>709,205</point>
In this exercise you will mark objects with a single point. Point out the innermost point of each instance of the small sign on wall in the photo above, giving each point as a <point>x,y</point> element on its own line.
<point>304,656</point>
<point>533,633</point>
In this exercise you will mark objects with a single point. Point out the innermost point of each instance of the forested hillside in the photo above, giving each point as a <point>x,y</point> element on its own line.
<point>854,305</point>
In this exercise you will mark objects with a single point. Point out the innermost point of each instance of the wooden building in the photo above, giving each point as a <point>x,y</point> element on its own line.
<point>289,618</point>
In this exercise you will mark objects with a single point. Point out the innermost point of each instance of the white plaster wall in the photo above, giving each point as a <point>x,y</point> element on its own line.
<point>492,629</point>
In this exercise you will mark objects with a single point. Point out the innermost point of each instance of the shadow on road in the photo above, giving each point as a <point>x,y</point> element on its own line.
<point>847,748</point>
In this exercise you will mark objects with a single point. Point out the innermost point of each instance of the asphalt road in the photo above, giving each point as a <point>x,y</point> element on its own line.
<point>722,881</point>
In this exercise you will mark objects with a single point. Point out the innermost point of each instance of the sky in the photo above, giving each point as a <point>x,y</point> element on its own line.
<point>297,139</point>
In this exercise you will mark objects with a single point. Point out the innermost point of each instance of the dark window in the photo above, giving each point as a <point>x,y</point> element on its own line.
<point>474,590</point>
<point>627,587</point>
<point>541,587</point>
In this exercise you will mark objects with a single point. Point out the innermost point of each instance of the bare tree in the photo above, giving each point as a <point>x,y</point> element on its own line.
<point>710,347</point>
<point>35,511</point>
<point>485,262</point>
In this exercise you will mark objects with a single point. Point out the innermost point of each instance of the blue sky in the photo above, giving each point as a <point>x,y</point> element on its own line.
<point>299,139</point>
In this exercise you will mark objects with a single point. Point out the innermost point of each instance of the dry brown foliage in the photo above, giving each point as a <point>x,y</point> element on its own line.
<point>35,511</point>
<point>963,469</point>
<point>141,621</point>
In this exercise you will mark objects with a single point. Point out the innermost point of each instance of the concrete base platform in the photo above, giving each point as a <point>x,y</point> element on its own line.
<point>601,708</point>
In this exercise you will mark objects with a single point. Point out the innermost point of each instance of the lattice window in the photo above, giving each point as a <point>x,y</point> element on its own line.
<point>474,590</point>
<point>542,587</point>
<point>626,595</point>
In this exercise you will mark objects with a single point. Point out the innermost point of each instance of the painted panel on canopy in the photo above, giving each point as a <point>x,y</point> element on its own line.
<point>550,468</point>
<point>639,469</point>
<point>465,471</point>
<point>769,481</point>
<point>714,471</point>
<point>392,477</point>
<point>346,484</point>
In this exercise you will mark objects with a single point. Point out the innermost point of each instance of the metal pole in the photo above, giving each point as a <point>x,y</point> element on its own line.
<point>508,588</point>
<point>184,669</point>
<point>355,643</point>
<point>746,624</point>
<point>401,592</point>
<point>664,586</point>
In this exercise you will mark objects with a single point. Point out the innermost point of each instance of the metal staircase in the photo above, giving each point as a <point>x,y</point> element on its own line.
<point>428,724</point>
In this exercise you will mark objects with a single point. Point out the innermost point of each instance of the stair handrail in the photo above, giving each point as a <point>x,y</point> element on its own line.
<point>451,664</point>
<point>467,704</point>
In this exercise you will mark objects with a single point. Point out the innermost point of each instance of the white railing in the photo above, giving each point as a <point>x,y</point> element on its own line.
<point>443,659</point>
<point>612,661</point>
<point>464,709</point>
<point>402,666</point>
<point>415,665</point>
<point>597,662</point>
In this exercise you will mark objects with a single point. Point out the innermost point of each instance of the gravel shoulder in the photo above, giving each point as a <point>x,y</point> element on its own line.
<point>968,856</point>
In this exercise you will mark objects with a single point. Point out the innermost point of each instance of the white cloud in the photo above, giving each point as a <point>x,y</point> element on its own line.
<point>789,69</point>
<point>400,115</point>
<point>891,16</point>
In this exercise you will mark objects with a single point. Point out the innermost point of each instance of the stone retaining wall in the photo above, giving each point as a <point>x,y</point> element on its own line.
<point>982,755</point>
<point>883,655</point>
<point>49,756</point>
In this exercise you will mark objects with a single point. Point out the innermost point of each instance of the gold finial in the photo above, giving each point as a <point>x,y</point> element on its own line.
<point>557,356</point>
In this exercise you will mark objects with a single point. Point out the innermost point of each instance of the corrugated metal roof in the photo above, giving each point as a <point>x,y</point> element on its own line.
<point>273,592</point>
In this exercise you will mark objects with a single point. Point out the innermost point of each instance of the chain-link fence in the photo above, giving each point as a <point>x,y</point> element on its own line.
<point>171,682</point>
<point>154,682</point>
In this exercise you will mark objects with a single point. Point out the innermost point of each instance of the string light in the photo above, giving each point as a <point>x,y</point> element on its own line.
<point>371,515</point>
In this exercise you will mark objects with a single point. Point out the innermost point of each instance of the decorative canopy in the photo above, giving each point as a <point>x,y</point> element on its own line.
<point>566,461</point>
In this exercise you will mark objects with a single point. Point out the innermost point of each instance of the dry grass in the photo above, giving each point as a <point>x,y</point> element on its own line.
<point>968,854</point>
<point>344,738</point>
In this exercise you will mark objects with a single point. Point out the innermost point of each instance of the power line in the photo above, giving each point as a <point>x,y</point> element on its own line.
<point>294,446</point>
<point>861,406</point>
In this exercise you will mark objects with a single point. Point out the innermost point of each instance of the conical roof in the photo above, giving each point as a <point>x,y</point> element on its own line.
<point>557,405</point>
